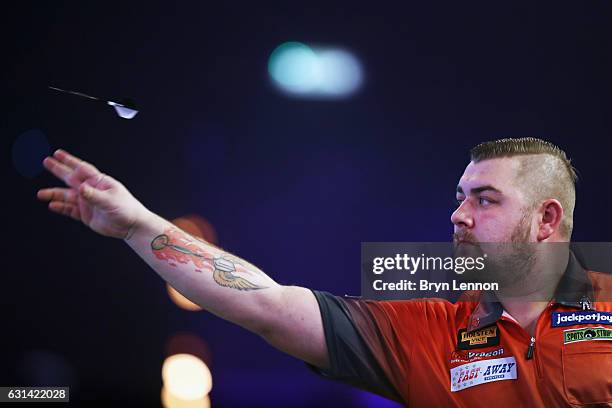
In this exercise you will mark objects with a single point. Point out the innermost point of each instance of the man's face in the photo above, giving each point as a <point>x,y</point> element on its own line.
<point>492,208</point>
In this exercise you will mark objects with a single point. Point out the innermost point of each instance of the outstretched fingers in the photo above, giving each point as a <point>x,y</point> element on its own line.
<point>67,209</point>
<point>67,159</point>
<point>65,195</point>
<point>61,200</point>
<point>60,170</point>
<point>82,169</point>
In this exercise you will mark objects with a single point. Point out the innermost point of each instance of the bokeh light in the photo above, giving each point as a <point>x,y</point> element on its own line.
<point>197,226</point>
<point>188,343</point>
<point>170,400</point>
<point>28,152</point>
<point>341,72</point>
<point>186,377</point>
<point>180,300</point>
<point>294,66</point>
<point>304,71</point>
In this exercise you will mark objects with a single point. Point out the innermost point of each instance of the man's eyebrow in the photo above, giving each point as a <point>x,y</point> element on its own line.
<point>480,189</point>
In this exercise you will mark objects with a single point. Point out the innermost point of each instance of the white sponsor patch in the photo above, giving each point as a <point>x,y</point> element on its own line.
<point>482,372</point>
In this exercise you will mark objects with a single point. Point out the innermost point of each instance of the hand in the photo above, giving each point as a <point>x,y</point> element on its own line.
<point>98,200</point>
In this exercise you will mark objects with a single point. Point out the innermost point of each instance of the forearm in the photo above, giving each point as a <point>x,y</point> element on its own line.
<point>233,289</point>
<point>219,282</point>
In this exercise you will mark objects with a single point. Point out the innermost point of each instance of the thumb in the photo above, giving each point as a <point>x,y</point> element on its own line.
<point>89,193</point>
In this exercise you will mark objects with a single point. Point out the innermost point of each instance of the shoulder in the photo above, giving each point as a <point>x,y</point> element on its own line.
<point>602,285</point>
<point>409,313</point>
<point>602,279</point>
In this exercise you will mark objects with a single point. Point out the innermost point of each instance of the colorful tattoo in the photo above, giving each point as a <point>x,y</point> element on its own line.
<point>176,246</point>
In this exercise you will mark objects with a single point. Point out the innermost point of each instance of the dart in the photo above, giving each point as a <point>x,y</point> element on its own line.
<point>125,108</point>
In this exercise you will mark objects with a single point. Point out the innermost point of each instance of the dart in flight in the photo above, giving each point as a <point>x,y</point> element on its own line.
<point>125,108</point>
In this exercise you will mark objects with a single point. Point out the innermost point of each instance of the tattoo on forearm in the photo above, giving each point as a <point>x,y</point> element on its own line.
<point>176,246</point>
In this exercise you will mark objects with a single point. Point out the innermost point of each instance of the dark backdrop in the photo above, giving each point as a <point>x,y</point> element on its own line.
<point>292,185</point>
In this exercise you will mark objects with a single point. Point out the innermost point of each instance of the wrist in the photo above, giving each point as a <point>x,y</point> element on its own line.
<point>142,221</point>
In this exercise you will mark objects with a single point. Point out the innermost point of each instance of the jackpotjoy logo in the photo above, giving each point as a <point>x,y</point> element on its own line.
<point>560,319</point>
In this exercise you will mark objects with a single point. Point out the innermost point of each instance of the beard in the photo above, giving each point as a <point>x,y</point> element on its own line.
<point>514,262</point>
<point>508,263</point>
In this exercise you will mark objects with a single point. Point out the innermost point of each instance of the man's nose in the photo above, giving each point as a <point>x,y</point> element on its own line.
<point>462,216</point>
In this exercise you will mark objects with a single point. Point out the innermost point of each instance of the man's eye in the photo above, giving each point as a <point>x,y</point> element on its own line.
<point>484,201</point>
<point>458,202</point>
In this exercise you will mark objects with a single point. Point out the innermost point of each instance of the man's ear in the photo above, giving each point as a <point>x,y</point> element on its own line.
<point>551,214</point>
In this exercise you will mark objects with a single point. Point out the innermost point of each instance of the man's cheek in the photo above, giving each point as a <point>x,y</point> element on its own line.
<point>493,232</point>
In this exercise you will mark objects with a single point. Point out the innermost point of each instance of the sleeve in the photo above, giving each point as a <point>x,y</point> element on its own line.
<point>359,350</point>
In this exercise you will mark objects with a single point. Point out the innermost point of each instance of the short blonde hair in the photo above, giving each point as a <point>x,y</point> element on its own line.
<point>545,172</point>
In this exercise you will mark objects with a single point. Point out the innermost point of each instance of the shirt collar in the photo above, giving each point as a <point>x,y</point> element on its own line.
<point>574,290</point>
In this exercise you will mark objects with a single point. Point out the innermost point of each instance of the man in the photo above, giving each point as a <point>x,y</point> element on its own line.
<point>482,351</point>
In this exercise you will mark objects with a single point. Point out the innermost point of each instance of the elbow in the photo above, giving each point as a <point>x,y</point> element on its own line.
<point>267,314</point>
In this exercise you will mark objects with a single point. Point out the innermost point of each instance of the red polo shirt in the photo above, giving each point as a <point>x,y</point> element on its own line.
<point>433,353</point>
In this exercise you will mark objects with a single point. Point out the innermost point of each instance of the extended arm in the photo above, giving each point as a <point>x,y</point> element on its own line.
<point>287,317</point>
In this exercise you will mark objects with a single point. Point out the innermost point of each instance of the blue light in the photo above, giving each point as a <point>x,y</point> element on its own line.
<point>322,73</point>
<point>293,66</point>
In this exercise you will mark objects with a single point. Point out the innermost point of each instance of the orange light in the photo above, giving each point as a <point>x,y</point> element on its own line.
<point>197,226</point>
<point>181,301</point>
<point>188,343</point>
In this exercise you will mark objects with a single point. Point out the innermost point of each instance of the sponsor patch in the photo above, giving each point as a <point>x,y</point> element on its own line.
<point>559,319</point>
<point>586,334</point>
<point>485,337</point>
<point>464,356</point>
<point>482,372</point>
<point>484,354</point>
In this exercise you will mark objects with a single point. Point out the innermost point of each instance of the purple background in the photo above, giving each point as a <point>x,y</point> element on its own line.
<point>293,186</point>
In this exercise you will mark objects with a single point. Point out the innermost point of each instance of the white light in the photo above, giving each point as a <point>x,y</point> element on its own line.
<point>340,72</point>
<point>169,400</point>
<point>186,377</point>
<point>314,72</point>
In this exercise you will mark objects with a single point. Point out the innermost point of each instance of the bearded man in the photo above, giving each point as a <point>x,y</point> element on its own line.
<point>534,348</point>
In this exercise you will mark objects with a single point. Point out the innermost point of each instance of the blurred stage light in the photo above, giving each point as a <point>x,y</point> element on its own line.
<point>29,149</point>
<point>302,71</point>
<point>341,72</point>
<point>186,377</point>
<point>197,226</point>
<point>170,400</point>
<point>181,301</point>
<point>188,343</point>
<point>294,66</point>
